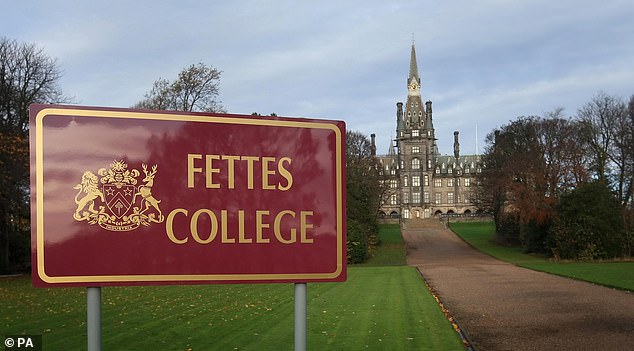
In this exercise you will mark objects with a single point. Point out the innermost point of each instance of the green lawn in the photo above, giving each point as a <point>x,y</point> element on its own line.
<point>378,308</point>
<point>391,251</point>
<point>613,274</point>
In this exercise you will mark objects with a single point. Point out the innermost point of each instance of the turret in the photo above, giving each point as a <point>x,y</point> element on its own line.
<point>456,145</point>
<point>399,116</point>
<point>429,124</point>
<point>373,144</point>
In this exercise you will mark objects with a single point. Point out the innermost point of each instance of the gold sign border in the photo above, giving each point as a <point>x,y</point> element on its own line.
<point>39,162</point>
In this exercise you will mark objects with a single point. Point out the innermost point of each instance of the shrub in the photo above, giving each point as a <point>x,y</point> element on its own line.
<point>357,243</point>
<point>508,230</point>
<point>589,224</point>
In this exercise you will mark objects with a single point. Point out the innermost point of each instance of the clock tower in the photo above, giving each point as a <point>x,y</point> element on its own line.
<point>422,182</point>
<point>416,145</point>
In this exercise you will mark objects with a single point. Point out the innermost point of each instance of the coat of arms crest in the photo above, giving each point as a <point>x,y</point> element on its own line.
<point>114,201</point>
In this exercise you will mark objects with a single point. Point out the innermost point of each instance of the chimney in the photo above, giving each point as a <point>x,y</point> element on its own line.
<point>456,145</point>
<point>373,144</point>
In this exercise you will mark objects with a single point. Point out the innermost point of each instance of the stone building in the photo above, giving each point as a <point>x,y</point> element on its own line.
<point>422,183</point>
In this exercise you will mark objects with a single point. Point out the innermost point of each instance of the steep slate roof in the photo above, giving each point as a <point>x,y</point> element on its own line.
<point>464,163</point>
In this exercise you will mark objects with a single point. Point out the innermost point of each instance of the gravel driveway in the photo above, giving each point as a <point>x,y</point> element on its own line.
<point>504,307</point>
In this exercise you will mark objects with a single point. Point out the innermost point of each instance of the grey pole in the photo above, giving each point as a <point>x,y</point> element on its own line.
<point>300,317</point>
<point>93,307</point>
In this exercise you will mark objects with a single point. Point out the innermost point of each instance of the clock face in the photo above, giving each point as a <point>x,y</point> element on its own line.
<point>413,86</point>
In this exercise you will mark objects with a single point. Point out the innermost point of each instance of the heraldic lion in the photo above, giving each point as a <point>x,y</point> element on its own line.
<point>89,182</point>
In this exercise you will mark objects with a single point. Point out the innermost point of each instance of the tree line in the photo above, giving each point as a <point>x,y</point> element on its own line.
<point>554,184</point>
<point>563,186</point>
<point>28,75</point>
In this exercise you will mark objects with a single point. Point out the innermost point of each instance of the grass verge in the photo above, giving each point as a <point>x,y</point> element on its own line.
<point>612,274</point>
<point>378,308</point>
<point>391,251</point>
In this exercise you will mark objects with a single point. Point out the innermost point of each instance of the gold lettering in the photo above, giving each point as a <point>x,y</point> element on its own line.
<point>169,226</point>
<point>277,230</point>
<point>213,230</point>
<point>259,225</point>
<point>210,171</point>
<point>191,169</point>
<point>231,170</point>
<point>266,172</point>
<point>303,225</point>
<point>241,238</point>
<point>223,221</point>
<point>285,173</point>
<point>250,160</point>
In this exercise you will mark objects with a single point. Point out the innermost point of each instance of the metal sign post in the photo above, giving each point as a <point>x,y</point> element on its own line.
<point>93,307</point>
<point>300,317</point>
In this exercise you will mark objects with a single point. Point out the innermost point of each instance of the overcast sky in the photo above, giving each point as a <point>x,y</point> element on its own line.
<point>482,63</point>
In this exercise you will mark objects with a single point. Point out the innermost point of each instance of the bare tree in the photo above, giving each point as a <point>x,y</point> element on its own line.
<point>195,90</point>
<point>599,116</point>
<point>27,75</point>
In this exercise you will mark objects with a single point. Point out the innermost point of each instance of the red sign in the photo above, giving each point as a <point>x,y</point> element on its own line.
<point>132,197</point>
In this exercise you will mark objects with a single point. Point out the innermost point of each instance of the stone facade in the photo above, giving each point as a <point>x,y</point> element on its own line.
<point>421,182</point>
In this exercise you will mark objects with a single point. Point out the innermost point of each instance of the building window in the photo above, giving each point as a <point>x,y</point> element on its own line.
<point>437,170</point>
<point>428,163</point>
<point>416,198</point>
<point>450,197</point>
<point>425,180</point>
<point>426,197</point>
<point>467,182</point>
<point>437,195</point>
<point>393,199</point>
<point>405,181</point>
<point>415,149</point>
<point>450,170</point>
<point>393,171</point>
<point>415,163</point>
<point>402,164</point>
<point>415,180</point>
<point>457,181</point>
<point>415,132</point>
<point>437,182</point>
<point>450,182</point>
<point>406,213</point>
<point>393,184</point>
<point>406,198</point>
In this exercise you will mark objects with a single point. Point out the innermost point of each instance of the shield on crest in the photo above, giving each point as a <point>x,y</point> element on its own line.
<point>118,198</point>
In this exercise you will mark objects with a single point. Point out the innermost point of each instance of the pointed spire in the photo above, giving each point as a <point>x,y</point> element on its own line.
<point>391,152</point>
<point>413,66</point>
